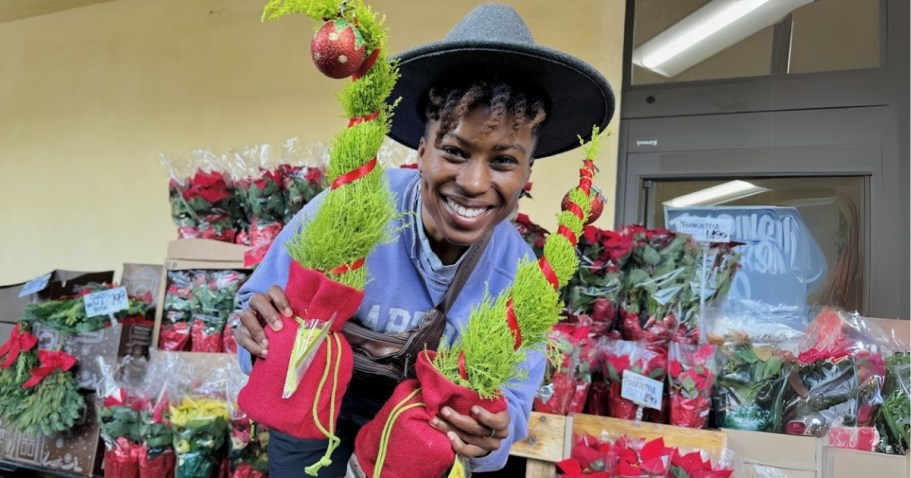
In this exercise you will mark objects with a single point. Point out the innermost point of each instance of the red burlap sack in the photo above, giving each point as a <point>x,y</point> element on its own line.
<point>312,297</point>
<point>414,448</point>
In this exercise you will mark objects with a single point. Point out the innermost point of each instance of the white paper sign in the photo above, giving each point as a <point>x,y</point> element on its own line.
<point>35,285</point>
<point>105,302</point>
<point>642,390</point>
<point>707,229</point>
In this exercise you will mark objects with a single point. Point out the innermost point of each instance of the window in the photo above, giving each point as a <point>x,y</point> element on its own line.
<point>821,35</point>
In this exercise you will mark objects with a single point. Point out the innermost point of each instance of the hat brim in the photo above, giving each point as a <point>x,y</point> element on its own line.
<point>578,96</point>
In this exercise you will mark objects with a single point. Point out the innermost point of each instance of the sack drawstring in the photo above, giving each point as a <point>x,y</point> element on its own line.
<point>334,440</point>
<point>397,410</point>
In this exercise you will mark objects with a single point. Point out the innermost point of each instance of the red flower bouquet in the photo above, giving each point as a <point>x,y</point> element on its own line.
<point>692,370</point>
<point>175,325</point>
<point>596,289</point>
<point>658,277</point>
<point>565,387</point>
<point>839,375</point>
<point>264,207</point>
<point>620,355</point>
<point>211,303</point>
<point>157,458</point>
<point>120,432</point>
<point>201,205</point>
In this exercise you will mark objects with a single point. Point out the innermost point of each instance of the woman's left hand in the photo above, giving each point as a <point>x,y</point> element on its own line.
<point>475,435</point>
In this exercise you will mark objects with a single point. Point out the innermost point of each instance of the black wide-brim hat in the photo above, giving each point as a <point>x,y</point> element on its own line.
<point>492,41</point>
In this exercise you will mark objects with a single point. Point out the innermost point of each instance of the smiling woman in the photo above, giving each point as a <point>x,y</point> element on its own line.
<point>475,158</point>
<point>479,107</point>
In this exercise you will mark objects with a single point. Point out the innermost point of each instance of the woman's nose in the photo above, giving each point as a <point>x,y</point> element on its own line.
<point>474,178</point>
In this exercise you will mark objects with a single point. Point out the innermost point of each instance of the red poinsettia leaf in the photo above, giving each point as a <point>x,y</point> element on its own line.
<point>591,234</point>
<point>586,455</point>
<point>652,449</point>
<point>626,469</point>
<point>570,467</point>
<point>654,466</point>
<point>691,462</point>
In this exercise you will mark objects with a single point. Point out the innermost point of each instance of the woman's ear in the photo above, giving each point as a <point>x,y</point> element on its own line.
<point>422,150</point>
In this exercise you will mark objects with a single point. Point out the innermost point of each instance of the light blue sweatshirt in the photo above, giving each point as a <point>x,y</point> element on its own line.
<point>405,279</point>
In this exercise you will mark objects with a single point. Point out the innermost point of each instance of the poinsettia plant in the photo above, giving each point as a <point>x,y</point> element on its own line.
<point>621,355</point>
<point>750,383</point>
<point>597,287</point>
<point>840,371</point>
<point>201,205</point>
<point>570,353</point>
<point>264,206</point>
<point>692,370</point>
<point>656,283</point>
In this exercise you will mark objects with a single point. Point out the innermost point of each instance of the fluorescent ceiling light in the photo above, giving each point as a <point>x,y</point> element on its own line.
<point>715,27</point>
<point>715,195</point>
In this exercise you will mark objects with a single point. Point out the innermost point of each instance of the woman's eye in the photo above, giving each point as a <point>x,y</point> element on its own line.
<point>452,151</point>
<point>504,161</point>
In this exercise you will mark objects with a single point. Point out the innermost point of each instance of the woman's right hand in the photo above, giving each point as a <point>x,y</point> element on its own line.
<point>261,309</point>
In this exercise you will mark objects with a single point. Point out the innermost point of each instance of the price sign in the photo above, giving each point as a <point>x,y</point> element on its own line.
<point>35,285</point>
<point>707,229</point>
<point>105,302</point>
<point>643,391</point>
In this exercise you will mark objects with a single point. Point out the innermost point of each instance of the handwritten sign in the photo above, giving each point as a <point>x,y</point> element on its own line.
<point>708,229</point>
<point>643,391</point>
<point>105,302</point>
<point>35,285</point>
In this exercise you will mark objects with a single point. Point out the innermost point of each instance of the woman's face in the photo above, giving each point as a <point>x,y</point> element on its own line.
<point>471,179</point>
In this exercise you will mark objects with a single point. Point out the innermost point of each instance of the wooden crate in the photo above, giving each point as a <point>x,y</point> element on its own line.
<point>550,438</point>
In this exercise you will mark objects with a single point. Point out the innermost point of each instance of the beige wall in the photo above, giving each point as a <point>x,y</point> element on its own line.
<point>90,96</point>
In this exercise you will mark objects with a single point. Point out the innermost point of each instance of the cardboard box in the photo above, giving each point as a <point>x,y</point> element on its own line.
<point>844,463</point>
<point>77,451</point>
<point>112,342</point>
<point>762,454</point>
<point>186,254</point>
<point>61,283</point>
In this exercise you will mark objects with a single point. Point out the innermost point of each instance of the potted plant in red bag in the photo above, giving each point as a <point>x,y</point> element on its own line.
<point>399,441</point>
<point>298,389</point>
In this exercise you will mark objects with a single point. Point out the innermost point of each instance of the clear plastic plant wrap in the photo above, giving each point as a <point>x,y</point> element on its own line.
<point>570,353</point>
<point>201,195</point>
<point>621,355</point>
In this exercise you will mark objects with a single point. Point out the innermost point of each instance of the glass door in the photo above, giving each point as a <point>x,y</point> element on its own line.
<point>831,207</point>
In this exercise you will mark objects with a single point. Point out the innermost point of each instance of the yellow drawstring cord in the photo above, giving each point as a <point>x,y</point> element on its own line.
<point>334,441</point>
<point>397,410</point>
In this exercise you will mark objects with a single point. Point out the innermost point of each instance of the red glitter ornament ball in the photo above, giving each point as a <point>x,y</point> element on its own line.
<point>337,49</point>
<point>597,205</point>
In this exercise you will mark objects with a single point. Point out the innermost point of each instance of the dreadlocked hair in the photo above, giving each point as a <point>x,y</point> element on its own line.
<point>448,104</point>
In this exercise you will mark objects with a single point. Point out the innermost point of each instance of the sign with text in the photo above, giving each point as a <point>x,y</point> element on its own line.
<point>106,302</point>
<point>35,285</point>
<point>643,391</point>
<point>781,263</point>
<point>707,229</point>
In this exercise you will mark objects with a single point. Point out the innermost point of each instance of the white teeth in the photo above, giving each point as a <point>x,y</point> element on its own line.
<point>464,211</point>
